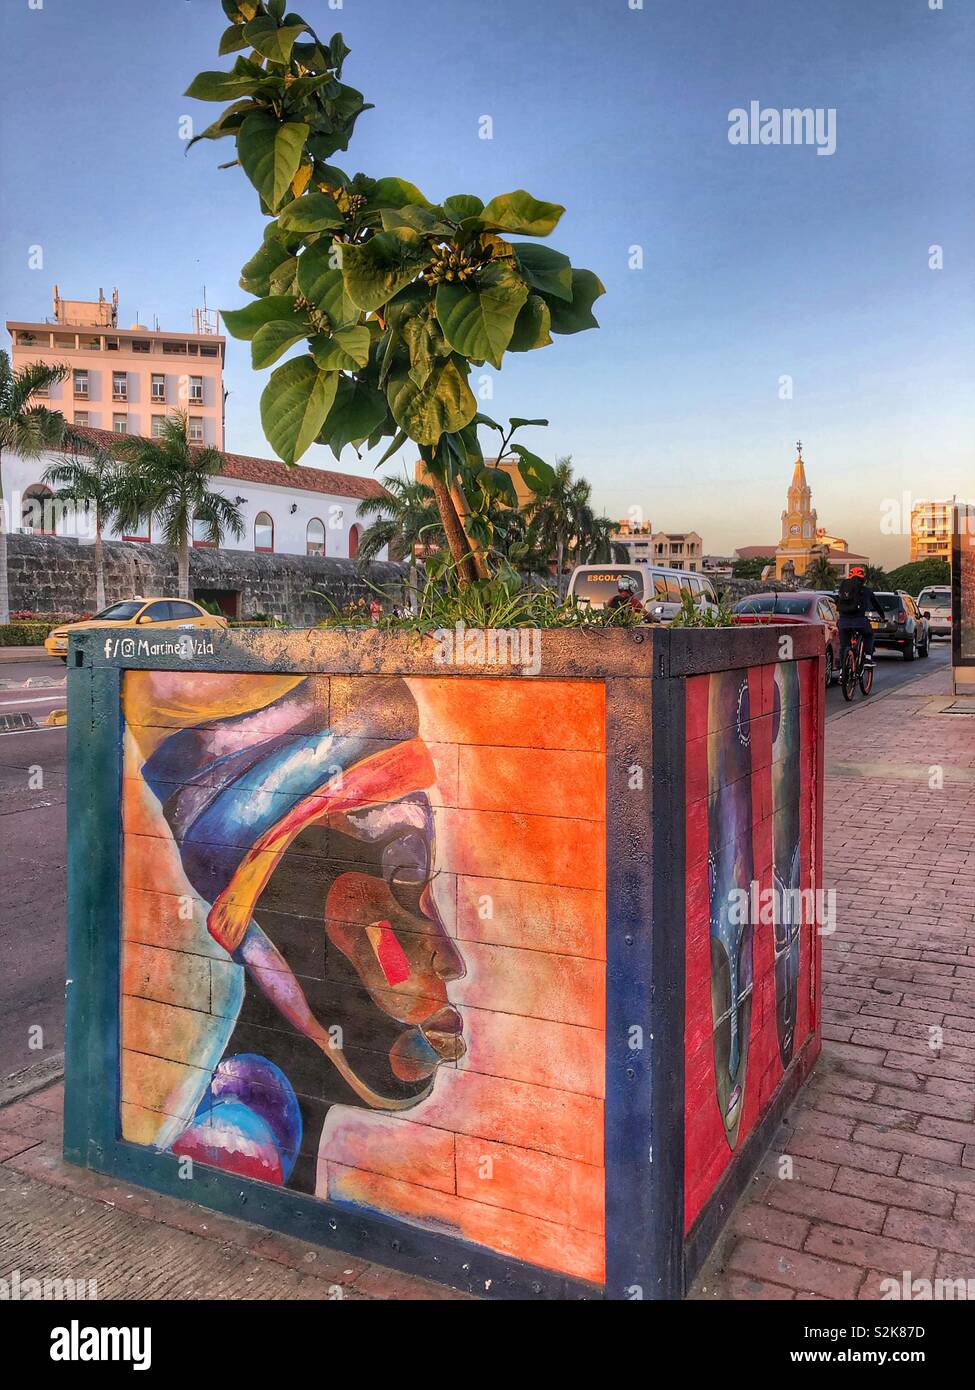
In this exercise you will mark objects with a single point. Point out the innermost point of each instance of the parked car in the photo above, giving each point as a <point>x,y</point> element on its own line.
<point>806,606</point>
<point>935,603</point>
<point>901,626</point>
<point>136,612</point>
<point>658,589</point>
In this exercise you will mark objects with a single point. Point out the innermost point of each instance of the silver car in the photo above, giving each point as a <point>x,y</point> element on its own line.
<point>936,600</point>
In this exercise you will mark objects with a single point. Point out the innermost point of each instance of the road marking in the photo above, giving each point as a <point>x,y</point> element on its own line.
<point>36,700</point>
<point>44,729</point>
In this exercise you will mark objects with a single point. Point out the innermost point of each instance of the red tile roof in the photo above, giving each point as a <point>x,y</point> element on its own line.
<point>242,468</point>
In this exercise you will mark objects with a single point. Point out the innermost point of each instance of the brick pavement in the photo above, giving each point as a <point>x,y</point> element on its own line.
<point>882,1141</point>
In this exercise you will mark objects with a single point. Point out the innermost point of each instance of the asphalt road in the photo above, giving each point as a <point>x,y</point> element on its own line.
<point>32,862</point>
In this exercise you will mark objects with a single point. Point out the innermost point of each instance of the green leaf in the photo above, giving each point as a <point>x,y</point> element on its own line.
<point>240,11</point>
<point>324,286</point>
<point>538,475</point>
<point>294,406</point>
<point>244,323</point>
<point>232,40</point>
<point>344,351</point>
<point>226,124</point>
<point>357,410</point>
<point>427,345</point>
<point>378,268</point>
<point>270,154</point>
<point>517,423</point>
<point>282,277</point>
<point>496,482</point>
<point>313,212</point>
<point>481,419</point>
<point>274,338</point>
<point>255,276</point>
<point>271,41</point>
<point>478,322</point>
<point>396,193</point>
<point>520,212</point>
<point>461,206</point>
<point>445,404</point>
<point>574,317</point>
<point>421,219</point>
<point>532,327</point>
<point>544,269</point>
<point>222,86</point>
<point>399,439</point>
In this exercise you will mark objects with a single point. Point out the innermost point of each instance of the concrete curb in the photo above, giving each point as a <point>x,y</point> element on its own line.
<point>31,1079</point>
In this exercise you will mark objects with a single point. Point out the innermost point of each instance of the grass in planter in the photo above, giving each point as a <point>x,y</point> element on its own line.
<point>692,616</point>
<point>503,601</point>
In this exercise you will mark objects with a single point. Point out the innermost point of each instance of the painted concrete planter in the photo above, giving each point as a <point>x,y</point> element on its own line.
<point>464,965</point>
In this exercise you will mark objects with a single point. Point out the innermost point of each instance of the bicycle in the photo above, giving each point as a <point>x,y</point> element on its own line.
<point>852,669</point>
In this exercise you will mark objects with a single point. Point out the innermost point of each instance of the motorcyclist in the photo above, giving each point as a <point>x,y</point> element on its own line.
<point>854,601</point>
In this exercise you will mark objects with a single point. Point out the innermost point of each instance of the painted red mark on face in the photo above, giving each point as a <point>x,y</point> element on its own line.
<point>389,953</point>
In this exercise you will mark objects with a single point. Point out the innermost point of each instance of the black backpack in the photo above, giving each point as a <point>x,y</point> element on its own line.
<point>848,597</point>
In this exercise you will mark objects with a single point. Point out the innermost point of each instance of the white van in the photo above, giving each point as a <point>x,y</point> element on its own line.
<point>658,589</point>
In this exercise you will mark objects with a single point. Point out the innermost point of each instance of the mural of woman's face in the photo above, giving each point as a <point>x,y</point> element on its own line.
<point>365,879</point>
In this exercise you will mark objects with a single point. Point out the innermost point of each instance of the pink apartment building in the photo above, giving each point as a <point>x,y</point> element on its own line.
<point>127,380</point>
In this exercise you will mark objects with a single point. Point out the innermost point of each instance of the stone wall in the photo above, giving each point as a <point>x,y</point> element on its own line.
<point>50,574</point>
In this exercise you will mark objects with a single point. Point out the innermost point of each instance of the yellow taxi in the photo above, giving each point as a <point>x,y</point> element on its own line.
<point>136,612</point>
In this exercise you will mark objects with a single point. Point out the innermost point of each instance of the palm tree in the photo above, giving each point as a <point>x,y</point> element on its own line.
<point>554,520</point>
<point>27,430</point>
<point>820,574</point>
<point>93,478</point>
<point>168,478</point>
<point>407,516</point>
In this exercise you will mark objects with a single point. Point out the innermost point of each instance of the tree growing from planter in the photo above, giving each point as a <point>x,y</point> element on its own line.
<point>396,298</point>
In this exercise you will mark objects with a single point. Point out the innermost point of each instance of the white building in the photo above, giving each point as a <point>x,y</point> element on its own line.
<point>286,511</point>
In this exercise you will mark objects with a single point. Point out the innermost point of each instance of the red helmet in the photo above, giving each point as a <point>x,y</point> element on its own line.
<point>857,572</point>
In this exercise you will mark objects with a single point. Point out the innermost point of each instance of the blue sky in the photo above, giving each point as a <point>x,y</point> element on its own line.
<point>759,261</point>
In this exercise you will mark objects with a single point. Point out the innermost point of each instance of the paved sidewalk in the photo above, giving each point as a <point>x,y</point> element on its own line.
<point>882,1141</point>
<point>62,1222</point>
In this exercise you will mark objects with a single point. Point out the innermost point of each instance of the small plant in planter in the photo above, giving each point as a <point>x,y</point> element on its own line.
<point>395,297</point>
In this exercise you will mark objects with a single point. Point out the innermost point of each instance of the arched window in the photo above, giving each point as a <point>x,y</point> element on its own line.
<point>36,510</point>
<point>263,533</point>
<point>353,542</point>
<point>315,537</point>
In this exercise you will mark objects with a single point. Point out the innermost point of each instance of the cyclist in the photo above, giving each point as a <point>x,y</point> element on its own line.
<point>626,596</point>
<point>854,600</point>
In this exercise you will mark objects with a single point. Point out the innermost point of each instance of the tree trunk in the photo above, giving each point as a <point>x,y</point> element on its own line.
<point>4,589</point>
<point>99,565</point>
<point>457,540</point>
<point>184,566</point>
<point>463,512</point>
<point>560,564</point>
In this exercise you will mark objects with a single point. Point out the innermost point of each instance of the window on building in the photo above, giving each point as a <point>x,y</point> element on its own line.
<point>120,424</point>
<point>196,429</point>
<point>81,417</point>
<point>201,535</point>
<point>111,344</point>
<point>120,386</point>
<point>196,389</point>
<point>315,537</point>
<point>36,511</point>
<point>140,345</point>
<point>353,542</point>
<point>175,348</point>
<point>141,531</point>
<point>158,426</point>
<point>263,533</point>
<point>158,386</point>
<point>81,384</point>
